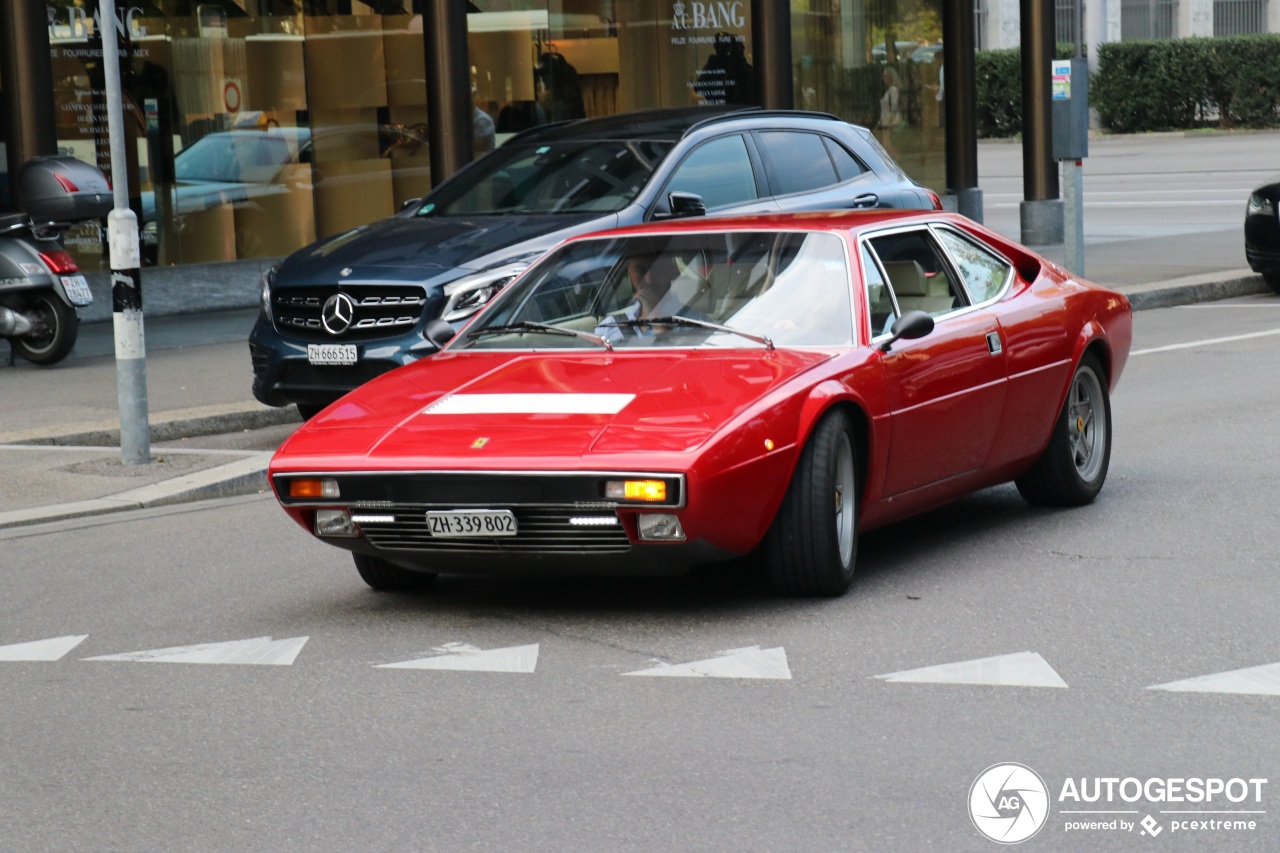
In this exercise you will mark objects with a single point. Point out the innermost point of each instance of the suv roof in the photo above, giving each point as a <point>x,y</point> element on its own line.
<point>669,124</point>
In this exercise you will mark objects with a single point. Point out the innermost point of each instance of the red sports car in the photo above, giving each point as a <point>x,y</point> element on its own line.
<point>650,398</point>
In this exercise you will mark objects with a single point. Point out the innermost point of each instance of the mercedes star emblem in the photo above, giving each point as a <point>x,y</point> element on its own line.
<point>338,312</point>
<point>345,271</point>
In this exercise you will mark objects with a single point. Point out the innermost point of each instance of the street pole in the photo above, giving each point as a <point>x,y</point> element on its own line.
<point>126,278</point>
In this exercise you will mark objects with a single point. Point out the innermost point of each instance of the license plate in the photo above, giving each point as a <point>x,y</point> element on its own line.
<point>457,523</point>
<point>77,290</point>
<point>331,353</point>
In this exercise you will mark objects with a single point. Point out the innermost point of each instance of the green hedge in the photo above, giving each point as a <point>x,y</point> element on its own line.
<point>999,74</point>
<point>1178,84</point>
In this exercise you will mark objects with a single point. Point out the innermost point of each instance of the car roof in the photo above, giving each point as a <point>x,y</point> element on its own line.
<point>669,124</point>
<point>823,220</point>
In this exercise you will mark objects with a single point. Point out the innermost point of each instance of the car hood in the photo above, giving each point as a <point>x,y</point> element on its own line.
<point>481,410</point>
<point>420,247</point>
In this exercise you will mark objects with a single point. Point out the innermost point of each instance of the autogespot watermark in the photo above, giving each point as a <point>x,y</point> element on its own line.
<point>1010,803</point>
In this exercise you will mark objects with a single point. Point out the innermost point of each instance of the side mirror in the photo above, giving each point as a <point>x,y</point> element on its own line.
<point>911,325</point>
<point>438,332</point>
<point>686,204</point>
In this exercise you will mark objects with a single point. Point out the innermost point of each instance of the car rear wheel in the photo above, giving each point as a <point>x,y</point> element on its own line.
<point>388,577</point>
<point>813,543</point>
<point>1074,465</point>
<point>1273,280</point>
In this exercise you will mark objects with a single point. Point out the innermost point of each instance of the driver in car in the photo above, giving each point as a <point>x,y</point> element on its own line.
<point>651,275</point>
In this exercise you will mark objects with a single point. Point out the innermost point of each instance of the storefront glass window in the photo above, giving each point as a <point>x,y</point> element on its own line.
<point>248,135</point>
<point>877,63</point>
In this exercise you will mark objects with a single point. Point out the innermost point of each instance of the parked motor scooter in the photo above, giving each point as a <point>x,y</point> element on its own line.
<point>40,285</point>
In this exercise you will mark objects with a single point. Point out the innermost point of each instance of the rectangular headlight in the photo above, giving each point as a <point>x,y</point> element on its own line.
<point>636,490</point>
<point>313,487</point>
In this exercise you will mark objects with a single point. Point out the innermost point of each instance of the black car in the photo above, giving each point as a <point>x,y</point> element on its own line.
<point>352,306</point>
<point>1262,233</point>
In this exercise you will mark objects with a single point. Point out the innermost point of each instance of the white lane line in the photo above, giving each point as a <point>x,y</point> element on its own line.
<point>749,662</point>
<point>41,650</point>
<point>1207,342</point>
<point>1255,680</point>
<point>262,651</point>
<point>1022,669</point>
<point>463,657</point>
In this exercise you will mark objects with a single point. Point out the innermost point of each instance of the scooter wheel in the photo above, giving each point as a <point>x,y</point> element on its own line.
<point>54,328</point>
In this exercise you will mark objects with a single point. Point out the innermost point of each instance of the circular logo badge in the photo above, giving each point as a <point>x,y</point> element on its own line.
<point>337,313</point>
<point>1008,803</point>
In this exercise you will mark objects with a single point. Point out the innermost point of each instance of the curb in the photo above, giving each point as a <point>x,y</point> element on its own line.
<point>168,426</point>
<point>246,476</point>
<point>1195,288</point>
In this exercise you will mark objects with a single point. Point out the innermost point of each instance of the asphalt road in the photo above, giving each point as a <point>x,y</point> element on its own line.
<point>1170,575</point>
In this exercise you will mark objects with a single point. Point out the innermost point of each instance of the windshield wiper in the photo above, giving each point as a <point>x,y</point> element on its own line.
<point>702,324</point>
<point>530,326</point>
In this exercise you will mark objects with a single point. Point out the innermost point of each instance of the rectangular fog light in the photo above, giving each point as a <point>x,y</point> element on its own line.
<point>334,524</point>
<point>659,527</point>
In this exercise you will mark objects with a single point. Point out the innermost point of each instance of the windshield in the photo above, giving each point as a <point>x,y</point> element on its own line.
<point>737,289</point>
<point>555,177</point>
<point>249,157</point>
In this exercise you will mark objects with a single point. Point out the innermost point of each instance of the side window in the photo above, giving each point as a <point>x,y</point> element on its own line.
<point>879,296</point>
<point>719,171</point>
<point>797,161</point>
<point>914,266</point>
<point>847,166</point>
<point>984,274</point>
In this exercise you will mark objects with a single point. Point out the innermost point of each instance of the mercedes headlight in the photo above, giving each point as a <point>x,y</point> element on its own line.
<point>1260,205</point>
<point>468,295</point>
<point>265,281</point>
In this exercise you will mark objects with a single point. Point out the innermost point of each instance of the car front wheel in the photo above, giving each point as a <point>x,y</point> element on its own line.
<point>813,543</point>
<point>388,577</point>
<point>1273,280</point>
<point>1074,465</point>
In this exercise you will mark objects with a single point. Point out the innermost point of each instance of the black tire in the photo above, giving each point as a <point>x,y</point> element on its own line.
<point>309,410</point>
<point>388,577</point>
<point>1074,466</point>
<point>54,329</point>
<point>1272,279</point>
<point>812,545</point>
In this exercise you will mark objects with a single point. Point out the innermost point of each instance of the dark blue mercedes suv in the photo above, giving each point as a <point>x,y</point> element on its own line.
<point>349,307</point>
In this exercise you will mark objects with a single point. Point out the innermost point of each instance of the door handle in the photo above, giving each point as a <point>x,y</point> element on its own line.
<point>865,200</point>
<point>994,345</point>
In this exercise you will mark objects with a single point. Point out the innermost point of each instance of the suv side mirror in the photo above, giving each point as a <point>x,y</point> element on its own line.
<point>911,325</point>
<point>686,204</point>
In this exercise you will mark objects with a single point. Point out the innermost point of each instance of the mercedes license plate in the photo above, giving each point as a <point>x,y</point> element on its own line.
<point>456,523</point>
<point>77,290</point>
<point>331,353</point>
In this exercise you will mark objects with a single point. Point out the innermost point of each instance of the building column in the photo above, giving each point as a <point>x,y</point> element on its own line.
<point>960,98</point>
<point>1195,18</point>
<point>771,50</point>
<point>449,107</point>
<point>1041,211</point>
<point>27,71</point>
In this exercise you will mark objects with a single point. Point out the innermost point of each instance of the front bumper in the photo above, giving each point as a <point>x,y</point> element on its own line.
<point>283,375</point>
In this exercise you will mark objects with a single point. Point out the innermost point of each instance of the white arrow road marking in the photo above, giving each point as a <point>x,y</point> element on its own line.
<point>259,651</point>
<point>43,650</point>
<point>468,658</point>
<point>749,662</point>
<point>1024,669</point>
<point>1259,680</point>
